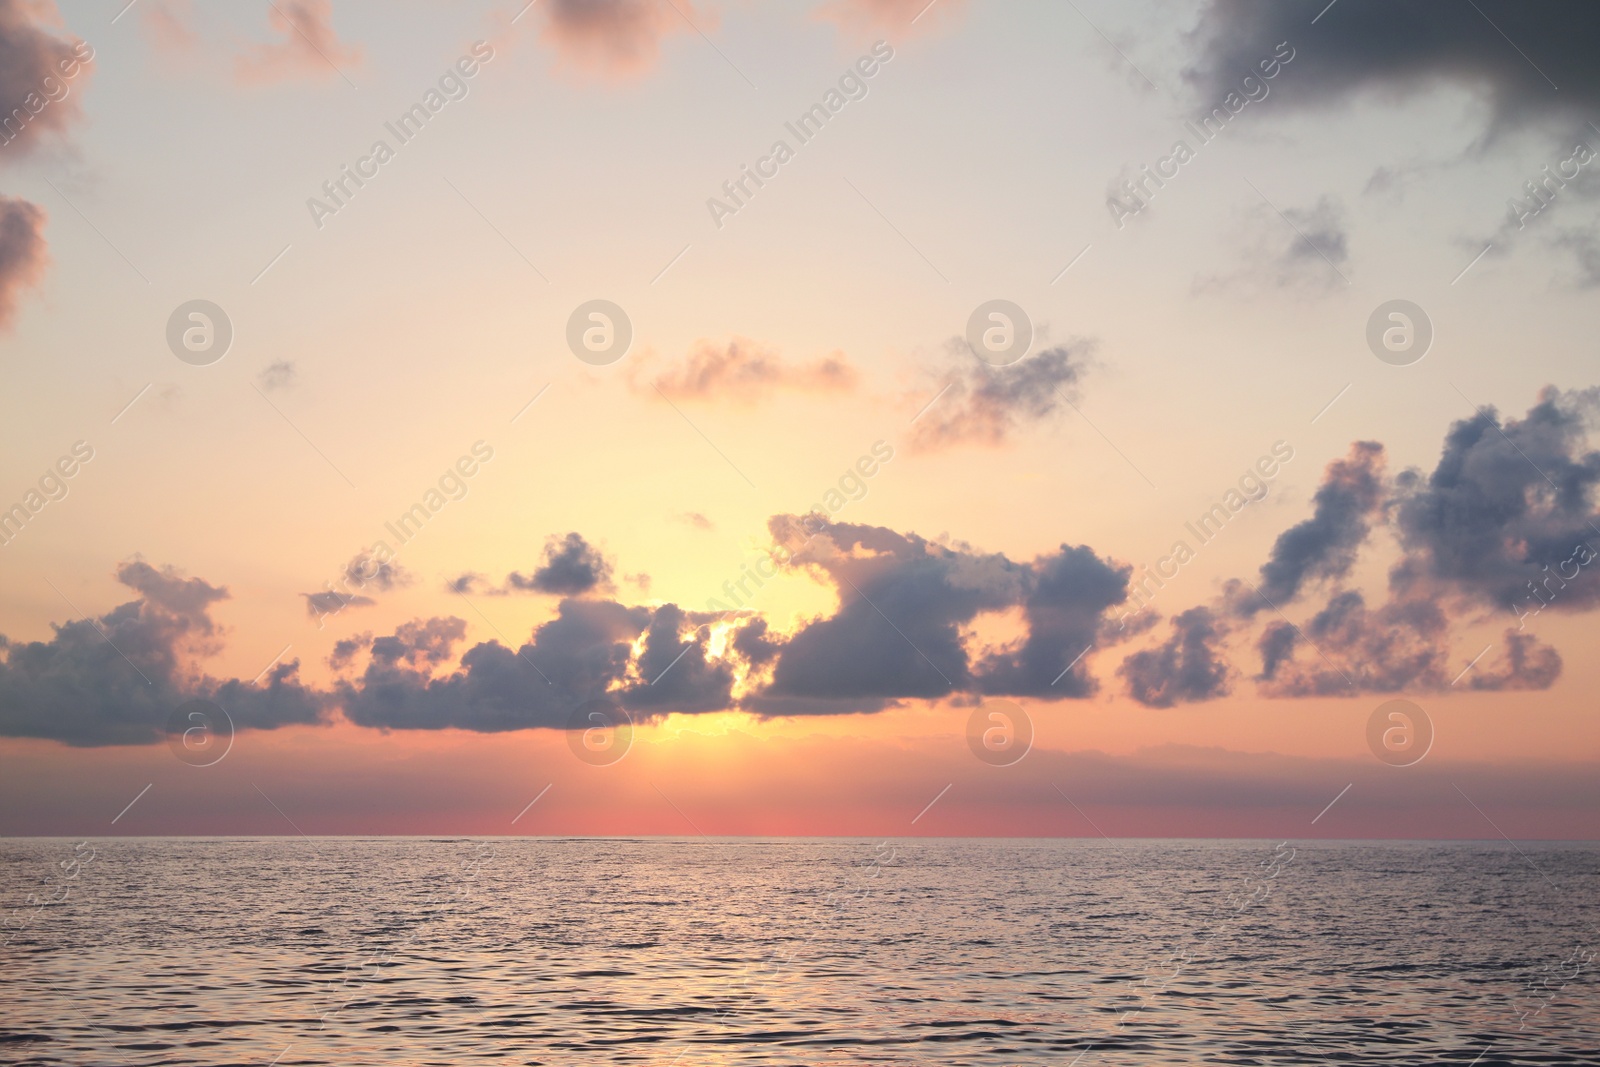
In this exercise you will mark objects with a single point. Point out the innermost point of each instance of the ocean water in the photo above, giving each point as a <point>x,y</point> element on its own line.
<point>293,951</point>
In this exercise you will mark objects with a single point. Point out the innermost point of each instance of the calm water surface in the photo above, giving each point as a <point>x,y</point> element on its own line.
<point>689,952</point>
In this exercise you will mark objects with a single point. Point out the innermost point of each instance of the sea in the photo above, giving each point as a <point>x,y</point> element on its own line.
<point>680,952</point>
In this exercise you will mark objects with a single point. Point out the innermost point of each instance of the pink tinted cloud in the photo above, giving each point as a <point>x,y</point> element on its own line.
<point>309,49</point>
<point>39,73</point>
<point>746,372</point>
<point>165,24</point>
<point>886,16</point>
<point>617,40</point>
<point>22,253</point>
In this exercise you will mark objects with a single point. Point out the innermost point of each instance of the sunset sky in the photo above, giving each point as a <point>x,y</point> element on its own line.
<point>1383,525</point>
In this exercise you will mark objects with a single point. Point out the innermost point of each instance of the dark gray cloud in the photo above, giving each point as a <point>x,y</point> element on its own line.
<point>571,567</point>
<point>574,657</point>
<point>1525,663</point>
<point>1354,649</point>
<point>1511,52</point>
<point>279,374</point>
<point>1323,547</point>
<point>674,671</point>
<point>365,573</point>
<point>897,631</point>
<point>584,653</point>
<point>982,404</point>
<point>752,643</point>
<point>1276,647</point>
<point>23,256</point>
<point>1065,603</point>
<point>186,601</point>
<point>466,583</point>
<point>1508,512</point>
<point>345,650</point>
<point>903,605</point>
<point>1506,521</point>
<point>1188,667</point>
<point>116,679</point>
<point>331,602</point>
<point>1402,646</point>
<point>419,643</point>
<point>368,571</point>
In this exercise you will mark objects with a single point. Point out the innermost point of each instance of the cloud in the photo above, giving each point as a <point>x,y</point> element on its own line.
<point>331,602</point>
<point>1584,244</point>
<point>365,569</point>
<point>1508,512</point>
<point>897,631</point>
<point>345,650</point>
<point>1320,246</point>
<point>280,374</point>
<point>1188,667</point>
<point>586,652</point>
<point>1527,663</point>
<point>1276,647</point>
<point>419,643</point>
<point>1324,546</point>
<point>186,601</point>
<point>1397,647</point>
<point>466,582</point>
<point>615,39</point>
<point>976,403</point>
<point>1309,253</point>
<point>747,372</point>
<point>38,72</point>
<point>575,657</point>
<point>1065,600</point>
<point>116,679</point>
<point>886,16</point>
<point>675,671</point>
<point>904,606</point>
<point>1394,50</point>
<point>23,255</point>
<point>1506,520</point>
<point>167,29</point>
<point>571,567</point>
<point>697,520</point>
<point>310,47</point>
<point>364,572</point>
<point>901,632</point>
<point>752,642</point>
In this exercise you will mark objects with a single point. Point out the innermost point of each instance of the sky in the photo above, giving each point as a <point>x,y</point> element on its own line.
<point>829,417</point>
